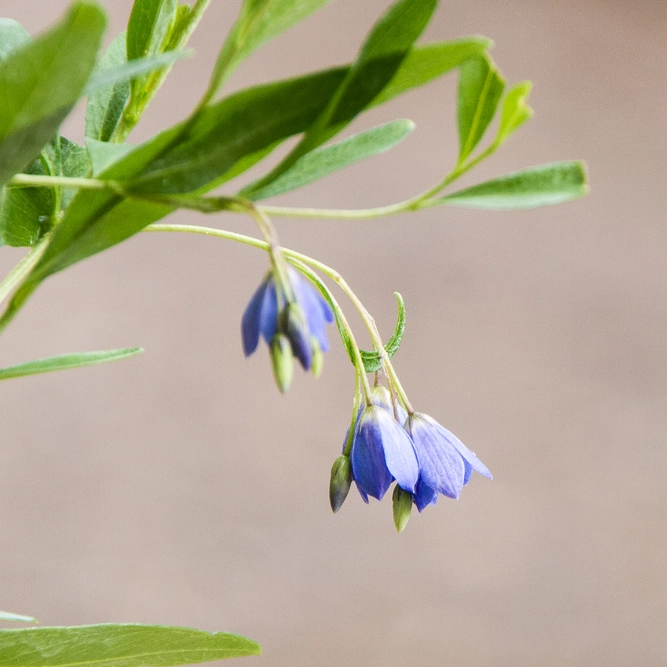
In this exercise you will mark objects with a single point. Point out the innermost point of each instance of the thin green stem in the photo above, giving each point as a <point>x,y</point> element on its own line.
<point>36,180</point>
<point>15,277</point>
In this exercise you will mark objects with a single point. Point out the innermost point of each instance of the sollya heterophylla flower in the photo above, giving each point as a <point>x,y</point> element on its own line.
<point>291,316</point>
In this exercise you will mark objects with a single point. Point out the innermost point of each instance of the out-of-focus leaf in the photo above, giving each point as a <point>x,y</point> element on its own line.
<point>323,161</point>
<point>380,57</point>
<point>6,616</point>
<point>103,154</point>
<point>258,21</point>
<point>530,188</point>
<point>480,88</point>
<point>41,81</point>
<point>515,110</point>
<point>424,63</point>
<point>65,362</point>
<point>372,361</point>
<point>118,646</point>
<point>105,105</point>
<point>148,29</point>
<point>12,35</point>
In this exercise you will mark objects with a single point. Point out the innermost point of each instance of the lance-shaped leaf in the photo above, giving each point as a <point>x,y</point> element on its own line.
<point>66,361</point>
<point>41,81</point>
<point>148,29</point>
<point>480,89</point>
<point>323,161</point>
<point>258,22</point>
<point>114,645</point>
<point>65,158</point>
<point>515,111</point>
<point>12,35</point>
<point>372,360</point>
<point>384,50</point>
<point>103,154</point>
<point>6,616</point>
<point>530,188</point>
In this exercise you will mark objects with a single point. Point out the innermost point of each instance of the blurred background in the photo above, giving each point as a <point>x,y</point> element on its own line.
<point>180,487</point>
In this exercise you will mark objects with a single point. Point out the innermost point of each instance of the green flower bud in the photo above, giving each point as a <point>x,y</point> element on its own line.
<point>282,361</point>
<point>402,505</point>
<point>318,358</point>
<point>341,480</point>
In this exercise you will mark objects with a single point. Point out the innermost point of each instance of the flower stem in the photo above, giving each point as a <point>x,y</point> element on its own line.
<point>23,268</point>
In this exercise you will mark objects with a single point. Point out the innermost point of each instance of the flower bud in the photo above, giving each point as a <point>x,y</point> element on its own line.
<point>318,358</point>
<point>294,324</point>
<point>402,505</point>
<point>341,480</point>
<point>281,361</point>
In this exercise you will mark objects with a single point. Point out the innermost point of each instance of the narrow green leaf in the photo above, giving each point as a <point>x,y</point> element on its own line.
<point>384,50</point>
<point>6,616</point>
<point>515,110</point>
<point>103,154</point>
<point>118,646</point>
<point>41,81</point>
<point>12,36</point>
<point>424,63</point>
<point>372,360</point>
<point>258,22</point>
<point>536,186</point>
<point>480,88</point>
<point>66,158</point>
<point>65,362</point>
<point>148,29</point>
<point>323,161</point>
<point>105,104</point>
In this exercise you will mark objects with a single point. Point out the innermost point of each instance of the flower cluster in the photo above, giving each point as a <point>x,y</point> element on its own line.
<point>423,457</point>
<point>292,319</point>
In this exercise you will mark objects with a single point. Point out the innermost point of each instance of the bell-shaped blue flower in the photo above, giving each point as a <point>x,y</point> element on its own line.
<point>445,463</point>
<point>303,321</point>
<point>382,452</point>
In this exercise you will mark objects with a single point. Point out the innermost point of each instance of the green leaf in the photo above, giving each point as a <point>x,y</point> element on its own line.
<point>424,63</point>
<point>149,27</point>
<point>65,158</point>
<point>258,22</point>
<point>66,361</point>
<point>105,104</point>
<point>26,213</point>
<point>480,88</point>
<point>380,57</point>
<point>12,36</point>
<point>41,81</point>
<point>118,646</point>
<point>536,186</point>
<point>6,616</point>
<point>323,161</point>
<point>103,154</point>
<point>515,110</point>
<point>372,361</point>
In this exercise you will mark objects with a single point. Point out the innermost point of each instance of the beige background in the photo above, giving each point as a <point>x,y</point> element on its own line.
<point>181,488</point>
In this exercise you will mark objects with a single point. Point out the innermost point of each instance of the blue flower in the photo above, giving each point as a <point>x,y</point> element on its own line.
<point>445,463</point>
<point>302,321</point>
<point>382,452</point>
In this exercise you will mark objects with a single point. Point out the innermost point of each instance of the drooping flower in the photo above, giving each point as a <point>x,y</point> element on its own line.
<point>276,317</point>
<point>382,452</point>
<point>445,463</point>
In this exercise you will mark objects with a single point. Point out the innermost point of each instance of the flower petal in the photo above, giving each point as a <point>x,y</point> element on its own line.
<point>311,303</point>
<point>440,465</point>
<point>424,495</point>
<point>268,318</point>
<point>398,450</point>
<point>250,322</point>
<point>368,458</point>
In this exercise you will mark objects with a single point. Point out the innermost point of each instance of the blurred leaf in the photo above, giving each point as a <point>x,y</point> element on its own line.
<point>25,213</point>
<point>424,63</point>
<point>258,22</point>
<point>12,35</point>
<point>536,186</point>
<point>41,81</point>
<point>118,646</point>
<point>480,89</point>
<point>515,110</point>
<point>323,161</point>
<point>6,616</point>
<point>148,29</point>
<point>66,361</point>
<point>105,104</point>
<point>103,154</point>
<point>378,61</point>
<point>372,361</point>
<point>65,158</point>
